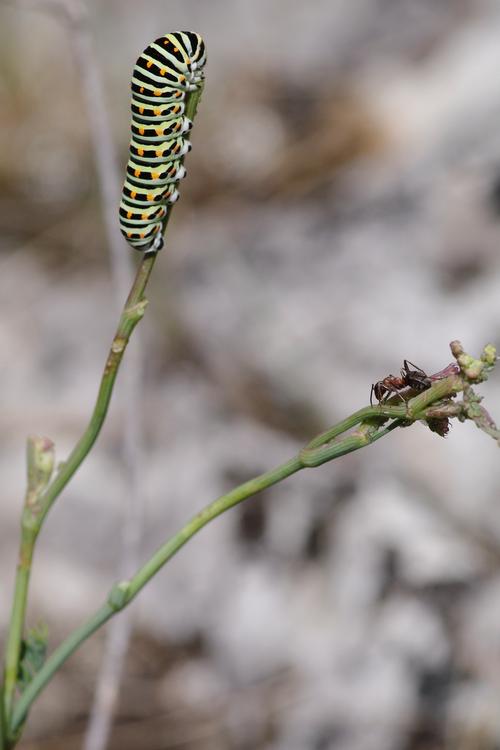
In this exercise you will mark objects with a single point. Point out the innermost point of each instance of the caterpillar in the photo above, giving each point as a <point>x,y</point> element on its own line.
<point>167,82</point>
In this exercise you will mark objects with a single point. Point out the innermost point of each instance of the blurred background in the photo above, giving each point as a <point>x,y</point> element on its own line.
<point>341,212</point>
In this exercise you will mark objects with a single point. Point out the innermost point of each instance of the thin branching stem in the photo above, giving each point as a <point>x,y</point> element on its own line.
<point>32,521</point>
<point>323,448</point>
<point>132,313</point>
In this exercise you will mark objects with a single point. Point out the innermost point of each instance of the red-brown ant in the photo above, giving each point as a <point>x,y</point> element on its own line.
<point>382,388</point>
<point>415,379</point>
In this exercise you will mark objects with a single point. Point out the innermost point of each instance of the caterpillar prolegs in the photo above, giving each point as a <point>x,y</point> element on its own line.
<point>167,82</point>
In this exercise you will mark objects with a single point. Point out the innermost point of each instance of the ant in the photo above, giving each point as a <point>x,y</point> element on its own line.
<point>415,378</point>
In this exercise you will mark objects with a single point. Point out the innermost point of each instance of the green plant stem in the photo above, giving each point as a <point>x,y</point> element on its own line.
<point>211,511</point>
<point>3,728</point>
<point>34,516</point>
<point>52,665</point>
<point>123,593</point>
<point>13,646</point>
<point>394,408</point>
<point>323,448</point>
<point>132,313</point>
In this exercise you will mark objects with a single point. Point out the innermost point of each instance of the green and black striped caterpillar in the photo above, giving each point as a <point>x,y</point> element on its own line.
<point>167,82</point>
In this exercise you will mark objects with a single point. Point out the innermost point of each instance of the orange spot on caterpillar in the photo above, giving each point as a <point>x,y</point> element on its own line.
<point>157,111</point>
<point>129,234</point>
<point>163,72</point>
<point>159,131</point>
<point>141,235</point>
<point>158,152</point>
<point>176,109</point>
<point>176,148</point>
<point>177,126</point>
<point>149,63</point>
<point>178,94</point>
<point>133,194</point>
<point>150,197</point>
<point>129,214</point>
<point>141,130</point>
<point>176,49</point>
<point>140,151</point>
<point>155,175</point>
<point>141,110</point>
<point>157,92</point>
<point>166,41</point>
<point>182,78</point>
<point>137,172</point>
<point>141,89</point>
<point>144,217</point>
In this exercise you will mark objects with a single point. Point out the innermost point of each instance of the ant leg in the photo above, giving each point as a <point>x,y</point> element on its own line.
<point>407,362</point>
<point>395,391</point>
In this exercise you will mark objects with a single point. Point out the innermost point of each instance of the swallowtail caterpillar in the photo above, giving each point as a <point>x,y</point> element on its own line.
<point>167,83</point>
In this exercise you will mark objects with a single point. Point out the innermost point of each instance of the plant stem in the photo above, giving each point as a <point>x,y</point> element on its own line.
<point>40,465</point>
<point>3,728</point>
<point>54,662</point>
<point>211,511</point>
<point>318,451</point>
<point>391,409</point>
<point>13,646</point>
<point>122,594</point>
<point>322,449</point>
<point>34,516</point>
<point>131,315</point>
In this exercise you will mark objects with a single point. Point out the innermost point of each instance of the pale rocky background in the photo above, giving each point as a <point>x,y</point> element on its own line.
<point>341,212</point>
